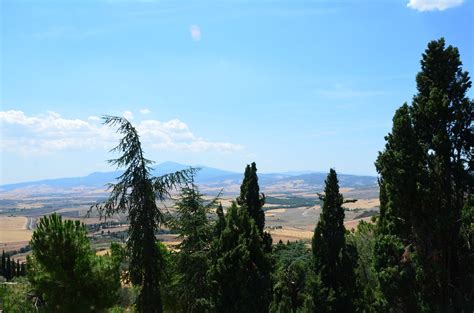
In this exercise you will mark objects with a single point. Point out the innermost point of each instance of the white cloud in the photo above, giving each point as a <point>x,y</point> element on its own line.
<point>93,118</point>
<point>195,32</point>
<point>48,133</point>
<point>145,111</point>
<point>128,115</point>
<point>431,5</point>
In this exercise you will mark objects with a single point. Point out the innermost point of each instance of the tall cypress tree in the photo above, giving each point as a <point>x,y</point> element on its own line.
<point>333,260</point>
<point>442,118</point>
<point>240,270</point>
<point>251,198</point>
<point>426,171</point>
<point>400,196</point>
<point>4,264</point>
<point>8,269</point>
<point>136,193</point>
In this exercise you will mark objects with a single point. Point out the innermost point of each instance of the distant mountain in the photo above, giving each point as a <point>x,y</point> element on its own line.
<point>206,175</point>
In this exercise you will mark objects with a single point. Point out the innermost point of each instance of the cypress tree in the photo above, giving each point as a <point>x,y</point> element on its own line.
<point>333,260</point>
<point>8,269</point>
<point>442,118</point>
<point>240,270</point>
<point>136,193</point>
<point>426,171</point>
<point>251,198</point>
<point>220,223</point>
<point>4,264</point>
<point>23,269</point>
<point>400,196</point>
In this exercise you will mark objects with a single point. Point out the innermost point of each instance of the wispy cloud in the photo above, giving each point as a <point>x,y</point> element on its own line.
<point>195,32</point>
<point>432,5</point>
<point>145,111</point>
<point>48,133</point>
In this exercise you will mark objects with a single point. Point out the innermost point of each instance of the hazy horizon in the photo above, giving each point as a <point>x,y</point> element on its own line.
<point>300,85</point>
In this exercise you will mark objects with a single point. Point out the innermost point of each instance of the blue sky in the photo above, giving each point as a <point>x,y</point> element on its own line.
<point>292,85</point>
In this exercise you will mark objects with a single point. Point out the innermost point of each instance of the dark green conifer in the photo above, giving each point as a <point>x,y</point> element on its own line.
<point>8,269</point>
<point>240,270</point>
<point>4,264</point>
<point>426,170</point>
<point>136,193</point>
<point>333,260</point>
<point>192,264</point>
<point>220,223</point>
<point>251,198</point>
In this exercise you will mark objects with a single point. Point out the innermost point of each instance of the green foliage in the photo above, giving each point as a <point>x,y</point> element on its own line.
<point>292,263</point>
<point>333,260</point>
<point>136,193</point>
<point>250,196</point>
<point>192,260</point>
<point>426,171</point>
<point>292,201</point>
<point>66,273</point>
<point>14,298</point>
<point>240,269</point>
<point>363,239</point>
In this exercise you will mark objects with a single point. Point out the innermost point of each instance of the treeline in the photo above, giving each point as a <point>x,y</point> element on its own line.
<point>10,268</point>
<point>416,256</point>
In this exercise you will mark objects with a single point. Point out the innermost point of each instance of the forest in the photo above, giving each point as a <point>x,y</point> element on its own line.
<point>417,255</point>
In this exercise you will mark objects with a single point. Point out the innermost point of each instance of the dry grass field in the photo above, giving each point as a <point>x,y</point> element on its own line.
<point>14,229</point>
<point>14,233</point>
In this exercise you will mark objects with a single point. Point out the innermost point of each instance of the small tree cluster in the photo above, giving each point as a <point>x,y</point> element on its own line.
<point>11,268</point>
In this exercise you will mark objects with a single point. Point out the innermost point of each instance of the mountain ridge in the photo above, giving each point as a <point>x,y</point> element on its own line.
<point>206,175</point>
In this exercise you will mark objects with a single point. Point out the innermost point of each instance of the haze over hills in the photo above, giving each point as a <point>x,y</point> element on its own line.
<point>208,176</point>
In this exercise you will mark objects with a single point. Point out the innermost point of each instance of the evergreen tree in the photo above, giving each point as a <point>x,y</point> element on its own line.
<point>426,170</point>
<point>442,119</point>
<point>74,280</point>
<point>4,264</point>
<point>220,223</point>
<point>292,262</point>
<point>8,269</point>
<point>195,229</point>
<point>400,197</point>
<point>136,193</point>
<point>240,270</point>
<point>23,269</point>
<point>251,198</point>
<point>333,260</point>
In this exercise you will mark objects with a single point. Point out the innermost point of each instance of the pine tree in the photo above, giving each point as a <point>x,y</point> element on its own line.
<point>136,193</point>
<point>333,260</point>
<point>76,279</point>
<point>240,270</point>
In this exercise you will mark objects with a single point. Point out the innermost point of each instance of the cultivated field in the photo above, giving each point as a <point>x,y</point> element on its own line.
<point>14,232</point>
